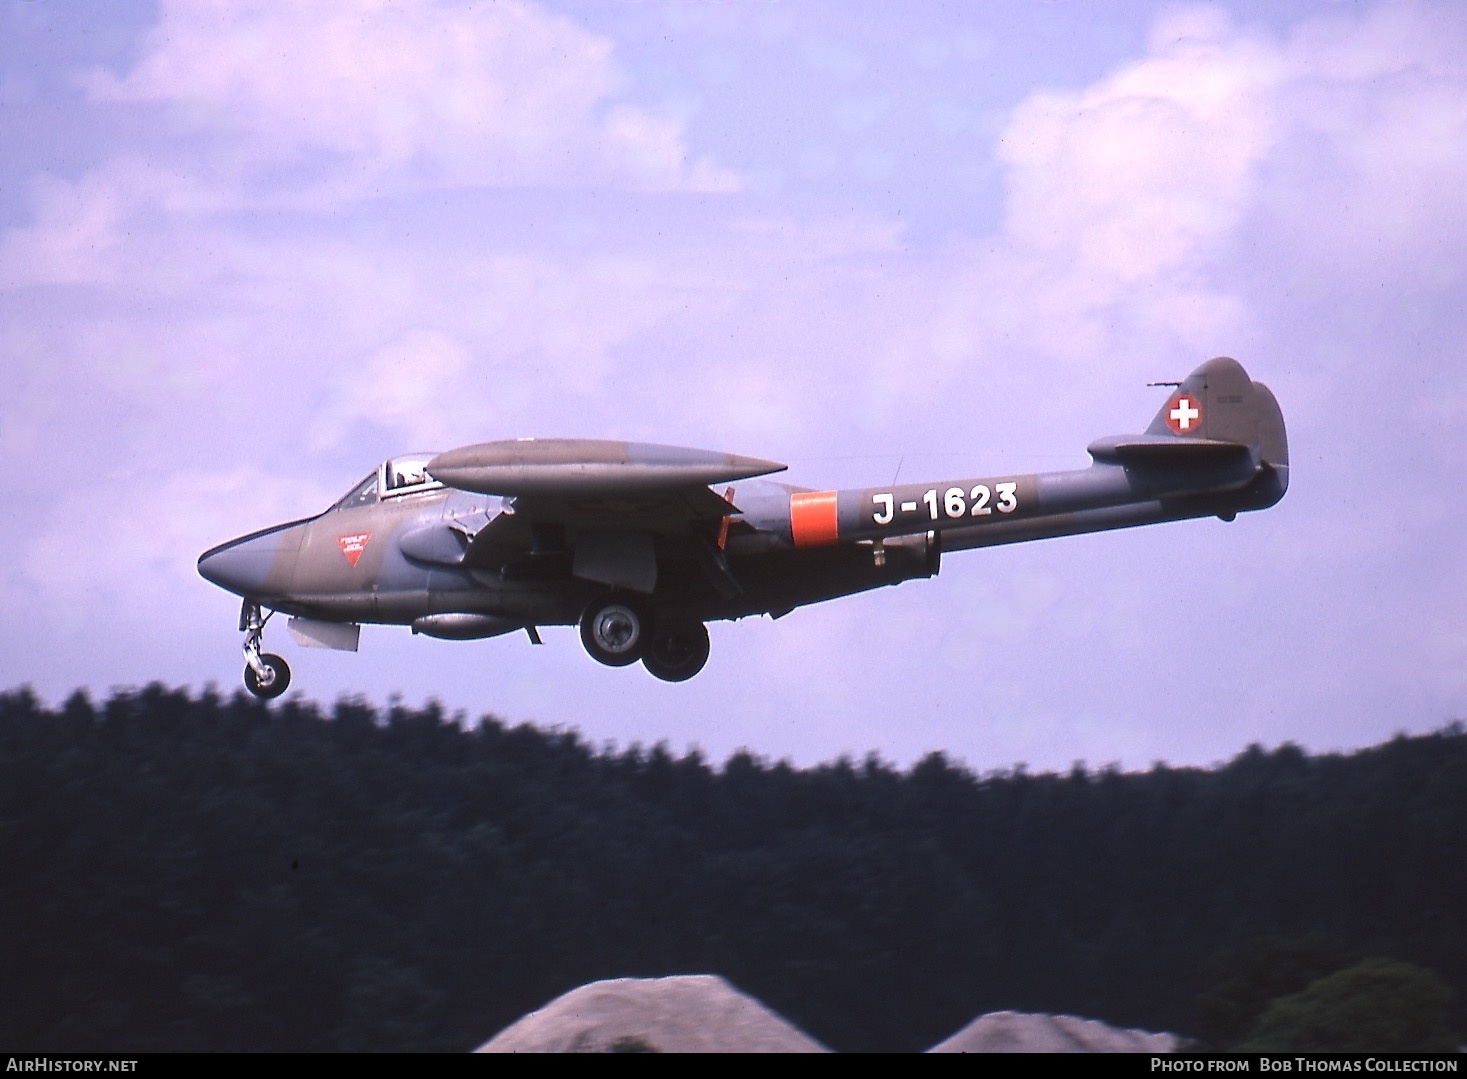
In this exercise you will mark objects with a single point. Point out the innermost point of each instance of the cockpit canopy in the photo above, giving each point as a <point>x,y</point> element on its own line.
<point>394,477</point>
<point>402,474</point>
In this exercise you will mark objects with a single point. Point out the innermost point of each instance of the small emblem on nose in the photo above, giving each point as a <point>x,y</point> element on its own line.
<point>352,546</point>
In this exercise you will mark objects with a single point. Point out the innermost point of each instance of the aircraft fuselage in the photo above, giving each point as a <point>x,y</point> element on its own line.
<point>629,541</point>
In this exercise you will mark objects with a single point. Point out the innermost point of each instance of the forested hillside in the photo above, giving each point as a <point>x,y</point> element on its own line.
<point>199,872</point>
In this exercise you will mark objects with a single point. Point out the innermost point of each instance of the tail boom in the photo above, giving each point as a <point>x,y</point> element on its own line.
<point>1217,448</point>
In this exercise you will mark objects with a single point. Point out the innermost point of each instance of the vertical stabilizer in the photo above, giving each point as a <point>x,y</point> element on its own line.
<point>1219,402</point>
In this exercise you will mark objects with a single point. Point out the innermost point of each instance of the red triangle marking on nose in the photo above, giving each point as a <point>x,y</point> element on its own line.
<point>352,546</point>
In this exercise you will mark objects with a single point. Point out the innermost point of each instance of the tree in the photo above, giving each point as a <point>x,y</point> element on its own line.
<point>1240,984</point>
<point>1377,1005</point>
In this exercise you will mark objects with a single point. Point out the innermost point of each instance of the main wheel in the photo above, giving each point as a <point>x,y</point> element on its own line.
<point>676,652</point>
<point>612,629</point>
<point>273,686</point>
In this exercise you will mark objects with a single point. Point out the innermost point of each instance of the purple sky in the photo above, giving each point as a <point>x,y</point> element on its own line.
<point>249,249</point>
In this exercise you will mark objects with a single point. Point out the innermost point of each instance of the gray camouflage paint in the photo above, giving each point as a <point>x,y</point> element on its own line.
<point>526,533</point>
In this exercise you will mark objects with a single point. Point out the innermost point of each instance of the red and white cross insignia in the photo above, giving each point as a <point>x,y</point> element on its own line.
<point>352,546</point>
<point>1184,414</point>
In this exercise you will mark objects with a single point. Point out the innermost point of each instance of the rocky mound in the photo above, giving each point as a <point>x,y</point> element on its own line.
<point>1017,1032</point>
<point>693,1013</point>
<point>702,1013</point>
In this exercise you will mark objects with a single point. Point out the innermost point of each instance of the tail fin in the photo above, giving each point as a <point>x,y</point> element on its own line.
<point>1217,418</point>
<point>1220,403</point>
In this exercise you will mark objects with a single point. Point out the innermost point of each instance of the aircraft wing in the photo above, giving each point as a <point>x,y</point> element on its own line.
<point>600,503</point>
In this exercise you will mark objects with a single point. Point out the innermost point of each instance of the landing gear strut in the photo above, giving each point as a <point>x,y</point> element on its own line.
<point>266,675</point>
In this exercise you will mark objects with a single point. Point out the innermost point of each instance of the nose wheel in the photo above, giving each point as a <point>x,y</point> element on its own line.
<point>266,675</point>
<point>276,680</point>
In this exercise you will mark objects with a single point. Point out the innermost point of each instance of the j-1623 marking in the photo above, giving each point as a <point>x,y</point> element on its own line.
<point>953,502</point>
<point>825,517</point>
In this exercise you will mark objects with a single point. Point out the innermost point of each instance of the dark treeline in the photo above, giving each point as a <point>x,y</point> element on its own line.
<point>211,873</point>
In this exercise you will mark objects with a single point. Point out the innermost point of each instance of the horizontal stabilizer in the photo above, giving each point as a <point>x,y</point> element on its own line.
<point>1165,452</point>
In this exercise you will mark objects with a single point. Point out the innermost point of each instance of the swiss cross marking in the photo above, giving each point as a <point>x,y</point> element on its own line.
<point>1185,415</point>
<point>352,546</point>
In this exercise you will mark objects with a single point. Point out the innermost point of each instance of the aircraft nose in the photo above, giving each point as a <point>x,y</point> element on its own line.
<point>258,565</point>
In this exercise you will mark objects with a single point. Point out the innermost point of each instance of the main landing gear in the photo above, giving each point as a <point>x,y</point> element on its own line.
<point>677,651</point>
<point>612,629</point>
<point>266,675</point>
<point>617,631</point>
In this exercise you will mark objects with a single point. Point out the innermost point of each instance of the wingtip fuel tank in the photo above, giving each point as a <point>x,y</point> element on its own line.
<point>559,466</point>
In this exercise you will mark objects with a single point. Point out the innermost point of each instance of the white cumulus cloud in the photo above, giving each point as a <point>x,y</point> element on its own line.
<point>368,95</point>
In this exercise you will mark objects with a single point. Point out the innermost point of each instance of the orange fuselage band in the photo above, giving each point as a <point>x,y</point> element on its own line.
<point>813,519</point>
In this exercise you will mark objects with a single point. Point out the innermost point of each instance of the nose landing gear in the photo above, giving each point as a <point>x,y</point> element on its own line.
<point>266,675</point>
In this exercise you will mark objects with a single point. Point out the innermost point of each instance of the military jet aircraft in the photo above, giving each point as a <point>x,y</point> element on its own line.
<point>631,542</point>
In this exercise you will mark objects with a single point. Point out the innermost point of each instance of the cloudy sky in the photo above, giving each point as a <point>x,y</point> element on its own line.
<point>249,249</point>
